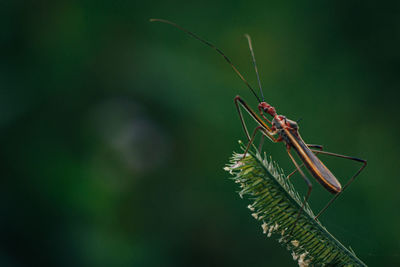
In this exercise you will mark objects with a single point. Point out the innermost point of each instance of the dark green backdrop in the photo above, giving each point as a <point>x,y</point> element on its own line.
<point>114,131</point>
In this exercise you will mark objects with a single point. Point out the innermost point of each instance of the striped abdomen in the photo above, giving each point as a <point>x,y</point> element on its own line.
<point>313,164</point>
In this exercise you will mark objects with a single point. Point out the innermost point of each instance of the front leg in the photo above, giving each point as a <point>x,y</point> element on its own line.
<point>264,132</point>
<point>269,132</point>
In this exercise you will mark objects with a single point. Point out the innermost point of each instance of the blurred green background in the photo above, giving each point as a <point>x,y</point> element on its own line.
<point>114,130</point>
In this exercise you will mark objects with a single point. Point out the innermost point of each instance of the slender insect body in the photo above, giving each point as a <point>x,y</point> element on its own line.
<point>278,125</point>
<point>317,169</point>
<point>288,133</point>
<point>285,129</point>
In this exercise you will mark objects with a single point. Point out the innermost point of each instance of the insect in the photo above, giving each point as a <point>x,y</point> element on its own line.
<point>282,129</point>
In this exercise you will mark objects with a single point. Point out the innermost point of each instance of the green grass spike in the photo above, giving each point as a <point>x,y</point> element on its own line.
<point>276,204</point>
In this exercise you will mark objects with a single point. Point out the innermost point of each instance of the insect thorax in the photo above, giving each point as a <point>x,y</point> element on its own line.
<point>281,123</point>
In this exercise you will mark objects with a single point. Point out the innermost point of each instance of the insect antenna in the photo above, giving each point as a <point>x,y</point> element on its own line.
<point>212,46</point>
<point>255,64</point>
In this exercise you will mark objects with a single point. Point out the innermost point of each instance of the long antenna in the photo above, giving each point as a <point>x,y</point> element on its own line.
<point>254,63</point>
<point>212,46</point>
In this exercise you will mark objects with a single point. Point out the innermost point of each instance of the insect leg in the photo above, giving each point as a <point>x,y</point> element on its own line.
<point>321,148</point>
<point>307,182</point>
<point>267,130</point>
<point>348,183</point>
<point>242,119</point>
<point>258,128</point>
<point>260,145</point>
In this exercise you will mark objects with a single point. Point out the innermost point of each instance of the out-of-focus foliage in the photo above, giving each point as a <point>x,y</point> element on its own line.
<point>114,130</point>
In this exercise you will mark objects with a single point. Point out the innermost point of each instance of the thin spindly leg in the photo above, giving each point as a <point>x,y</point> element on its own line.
<point>321,148</point>
<point>348,183</point>
<point>310,146</point>
<point>257,129</point>
<point>267,130</point>
<point>260,145</point>
<point>242,120</point>
<point>307,182</point>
